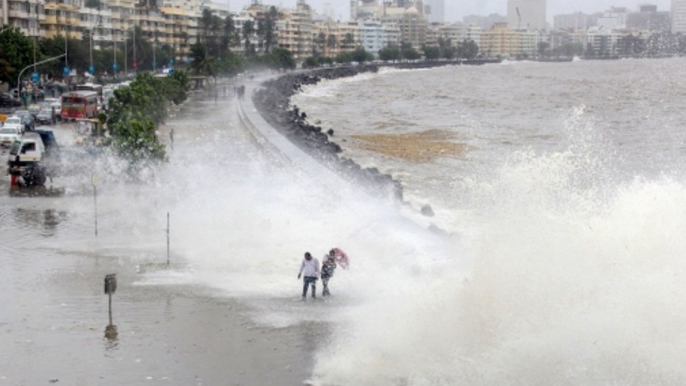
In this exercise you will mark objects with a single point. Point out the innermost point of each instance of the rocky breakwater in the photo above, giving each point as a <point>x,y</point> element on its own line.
<point>273,103</point>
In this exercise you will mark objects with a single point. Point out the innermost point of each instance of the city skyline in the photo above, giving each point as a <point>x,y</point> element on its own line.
<point>455,10</point>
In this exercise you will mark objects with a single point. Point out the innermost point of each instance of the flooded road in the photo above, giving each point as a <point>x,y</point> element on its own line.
<point>172,328</point>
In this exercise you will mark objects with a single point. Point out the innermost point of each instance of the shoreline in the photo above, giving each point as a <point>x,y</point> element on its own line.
<point>273,103</point>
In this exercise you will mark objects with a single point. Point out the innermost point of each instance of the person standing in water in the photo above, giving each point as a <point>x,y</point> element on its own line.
<point>328,268</point>
<point>310,269</point>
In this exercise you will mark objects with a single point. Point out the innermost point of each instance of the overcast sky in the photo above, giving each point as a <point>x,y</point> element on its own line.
<point>456,9</point>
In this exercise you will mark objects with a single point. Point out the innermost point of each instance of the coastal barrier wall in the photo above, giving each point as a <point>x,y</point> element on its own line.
<point>273,102</point>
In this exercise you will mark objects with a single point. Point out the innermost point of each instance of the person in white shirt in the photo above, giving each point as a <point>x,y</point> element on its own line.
<point>310,270</point>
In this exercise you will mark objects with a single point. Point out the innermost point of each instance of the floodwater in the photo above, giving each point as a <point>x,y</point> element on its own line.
<point>569,198</point>
<point>566,203</point>
<point>228,309</point>
<point>171,328</point>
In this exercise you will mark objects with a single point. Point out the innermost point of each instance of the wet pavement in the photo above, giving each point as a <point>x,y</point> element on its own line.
<point>169,330</point>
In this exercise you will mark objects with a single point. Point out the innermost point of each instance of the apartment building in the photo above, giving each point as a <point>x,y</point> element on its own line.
<point>679,16</point>
<point>503,41</point>
<point>25,15</point>
<point>62,17</point>
<point>373,36</point>
<point>295,30</point>
<point>458,33</point>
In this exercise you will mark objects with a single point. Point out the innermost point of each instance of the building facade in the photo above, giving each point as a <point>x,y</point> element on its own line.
<point>25,15</point>
<point>572,21</point>
<point>458,33</point>
<point>373,37</point>
<point>434,10</point>
<point>295,30</point>
<point>679,16</point>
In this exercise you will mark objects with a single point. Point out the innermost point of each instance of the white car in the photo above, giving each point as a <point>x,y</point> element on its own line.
<point>14,122</point>
<point>8,135</point>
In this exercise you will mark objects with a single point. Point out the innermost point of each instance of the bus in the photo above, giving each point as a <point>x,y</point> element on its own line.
<point>90,87</point>
<point>79,104</point>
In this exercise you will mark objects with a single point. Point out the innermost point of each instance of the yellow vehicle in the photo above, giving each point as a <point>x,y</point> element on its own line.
<point>3,118</point>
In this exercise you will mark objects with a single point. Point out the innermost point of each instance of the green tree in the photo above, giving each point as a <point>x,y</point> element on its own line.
<point>320,42</point>
<point>17,50</point>
<point>266,28</point>
<point>344,58</point>
<point>231,64</point>
<point>331,41</point>
<point>409,52</point>
<point>311,62</point>
<point>360,55</point>
<point>283,59</point>
<point>390,53</point>
<point>229,34</point>
<point>431,53</point>
<point>469,49</point>
<point>201,61</point>
<point>248,32</point>
<point>543,48</point>
<point>348,41</point>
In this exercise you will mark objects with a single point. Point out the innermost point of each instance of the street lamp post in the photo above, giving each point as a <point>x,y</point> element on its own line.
<point>34,65</point>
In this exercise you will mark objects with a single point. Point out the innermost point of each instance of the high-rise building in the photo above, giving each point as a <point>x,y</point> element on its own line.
<point>572,21</point>
<point>484,22</point>
<point>526,14</point>
<point>25,15</point>
<point>649,19</point>
<point>678,16</point>
<point>434,10</point>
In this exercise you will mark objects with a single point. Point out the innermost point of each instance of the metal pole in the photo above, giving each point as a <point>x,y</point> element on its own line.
<point>95,203</point>
<point>154,46</point>
<point>126,54</point>
<point>110,308</point>
<point>114,39</point>
<point>167,239</point>
<point>36,64</point>
<point>135,68</point>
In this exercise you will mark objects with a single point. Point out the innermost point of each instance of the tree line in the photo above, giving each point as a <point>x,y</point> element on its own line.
<point>137,110</point>
<point>16,53</point>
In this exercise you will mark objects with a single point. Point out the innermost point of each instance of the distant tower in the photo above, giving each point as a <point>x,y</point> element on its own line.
<point>527,14</point>
<point>363,8</point>
<point>435,11</point>
<point>678,16</point>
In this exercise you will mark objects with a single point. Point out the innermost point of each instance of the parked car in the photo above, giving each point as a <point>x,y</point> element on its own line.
<point>34,109</point>
<point>14,122</point>
<point>44,117</point>
<point>7,100</point>
<point>26,118</point>
<point>9,134</point>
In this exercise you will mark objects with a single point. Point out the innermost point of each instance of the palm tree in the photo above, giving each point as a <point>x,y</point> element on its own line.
<point>228,33</point>
<point>268,26</point>
<point>320,41</point>
<point>205,24</point>
<point>248,31</point>
<point>331,41</point>
<point>202,63</point>
<point>348,40</point>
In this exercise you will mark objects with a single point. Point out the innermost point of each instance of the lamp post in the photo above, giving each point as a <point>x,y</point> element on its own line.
<point>154,46</point>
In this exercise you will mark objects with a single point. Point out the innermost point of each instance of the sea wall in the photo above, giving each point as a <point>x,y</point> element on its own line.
<point>273,101</point>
